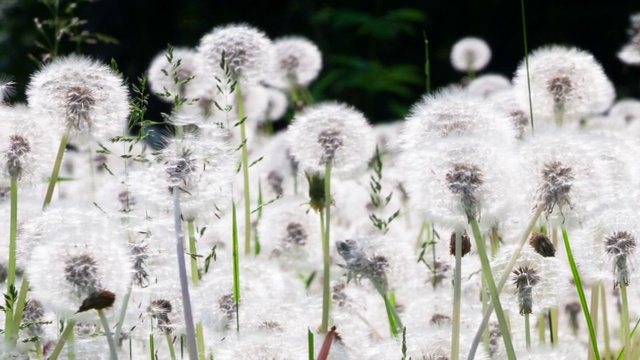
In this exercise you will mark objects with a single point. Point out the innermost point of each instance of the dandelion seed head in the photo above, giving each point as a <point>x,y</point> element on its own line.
<point>487,84</point>
<point>620,245</point>
<point>185,76</point>
<point>555,187</point>
<point>464,180</point>
<point>466,244</point>
<point>160,309</point>
<point>470,54</point>
<point>542,244</point>
<point>298,62</point>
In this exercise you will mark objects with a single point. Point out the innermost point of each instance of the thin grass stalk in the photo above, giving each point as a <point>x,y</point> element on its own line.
<point>326,252</point>
<point>152,346</point>
<point>595,296</point>
<point>624,321</point>
<point>503,280</point>
<point>56,167</point>
<point>68,331</point>
<point>172,349</point>
<point>245,170</point>
<point>579,288</point>
<point>541,329</point>
<point>123,313</point>
<point>553,325</point>
<point>39,352</point>
<point>392,313</point>
<point>19,309</point>
<point>236,265</point>
<point>427,64</point>
<point>457,295</point>
<point>310,341</point>
<point>184,282</point>
<point>200,340</point>
<point>526,61</point>
<point>11,276</point>
<point>193,253</point>
<point>493,291</point>
<point>605,324</point>
<point>113,354</point>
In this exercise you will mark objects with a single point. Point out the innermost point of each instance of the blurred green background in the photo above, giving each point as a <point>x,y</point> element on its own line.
<point>373,50</point>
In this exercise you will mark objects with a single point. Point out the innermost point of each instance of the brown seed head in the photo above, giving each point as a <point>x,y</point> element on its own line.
<point>466,244</point>
<point>465,180</point>
<point>555,186</point>
<point>542,244</point>
<point>98,300</point>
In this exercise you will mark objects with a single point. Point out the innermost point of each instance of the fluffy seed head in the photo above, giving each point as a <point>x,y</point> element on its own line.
<point>555,186</point>
<point>82,271</point>
<point>18,148</point>
<point>464,180</point>
<point>525,278</point>
<point>247,51</point>
<point>620,245</point>
<point>185,75</point>
<point>160,309</point>
<point>470,54</point>
<point>298,62</point>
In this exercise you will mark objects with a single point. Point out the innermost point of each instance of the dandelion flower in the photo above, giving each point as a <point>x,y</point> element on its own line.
<point>298,62</point>
<point>247,51</point>
<point>331,133</point>
<point>567,84</point>
<point>470,54</point>
<point>81,93</point>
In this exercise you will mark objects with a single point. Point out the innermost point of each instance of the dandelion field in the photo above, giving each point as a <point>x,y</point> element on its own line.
<point>496,219</point>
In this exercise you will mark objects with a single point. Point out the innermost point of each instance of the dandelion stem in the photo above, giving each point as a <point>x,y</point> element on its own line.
<point>624,321</point>
<point>503,280</point>
<point>310,344</point>
<point>605,323</point>
<point>541,329</point>
<point>113,355</point>
<point>123,312</point>
<point>193,253</point>
<point>457,295</point>
<point>553,326</point>
<point>184,282</point>
<point>427,64</point>
<point>583,300</point>
<point>392,313</point>
<point>236,264</point>
<point>526,61</point>
<point>245,171</point>
<point>56,167</point>
<point>19,309</point>
<point>527,330</point>
<point>326,259</point>
<point>172,349</point>
<point>11,276</point>
<point>200,337</point>
<point>595,295</point>
<point>68,330</point>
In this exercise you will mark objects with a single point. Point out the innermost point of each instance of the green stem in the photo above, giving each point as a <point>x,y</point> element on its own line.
<point>503,280</point>
<point>68,330</point>
<point>11,277</point>
<point>123,312</point>
<point>553,326</point>
<point>392,314</point>
<point>493,291</point>
<point>182,273</point>
<point>605,323</point>
<point>152,346</point>
<point>113,354</point>
<point>583,300</point>
<point>595,295</point>
<point>236,264</point>
<point>193,253</point>
<point>56,168</point>
<point>39,352</point>
<point>310,344</point>
<point>245,171</point>
<point>19,309</point>
<point>624,321</point>
<point>326,258</point>
<point>457,295</point>
<point>526,62</point>
<point>527,330</point>
<point>172,349</point>
<point>200,336</point>
<point>541,329</point>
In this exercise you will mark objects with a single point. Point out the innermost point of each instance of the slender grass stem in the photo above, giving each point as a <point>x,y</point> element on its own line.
<point>123,313</point>
<point>236,264</point>
<point>310,341</point>
<point>427,64</point>
<point>553,326</point>
<point>624,322</point>
<point>113,353</point>
<point>152,346</point>
<point>68,331</point>
<point>392,313</point>
<point>193,253</point>
<point>493,291</point>
<point>457,295</point>
<point>19,309</point>
<point>541,329</point>
<point>326,252</point>
<point>184,282</point>
<point>11,271</point>
<point>583,300</point>
<point>526,61</point>
<point>39,352</point>
<point>245,170</point>
<point>56,167</point>
<point>605,323</point>
<point>503,280</point>
<point>200,337</point>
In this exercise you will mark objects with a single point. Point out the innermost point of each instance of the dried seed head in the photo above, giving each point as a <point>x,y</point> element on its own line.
<point>180,168</point>
<point>542,244</point>
<point>18,148</point>
<point>620,245</point>
<point>560,88</point>
<point>160,310</point>
<point>79,103</point>
<point>466,244</point>
<point>573,309</point>
<point>439,319</point>
<point>296,234</point>
<point>228,305</point>
<point>33,313</point>
<point>139,256</point>
<point>331,141</point>
<point>98,300</point>
<point>494,336</point>
<point>525,278</point>
<point>554,189</point>
<point>372,268</point>
<point>464,180</point>
<point>82,272</point>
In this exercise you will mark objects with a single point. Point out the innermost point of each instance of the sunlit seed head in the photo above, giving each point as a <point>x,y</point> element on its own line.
<point>80,101</point>
<point>542,244</point>
<point>560,88</point>
<point>555,186</point>
<point>180,168</point>
<point>139,256</point>
<point>160,309</point>
<point>620,245</point>
<point>82,272</point>
<point>331,141</point>
<point>18,148</point>
<point>33,313</point>
<point>7,88</point>
<point>525,278</point>
<point>466,244</point>
<point>464,180</point>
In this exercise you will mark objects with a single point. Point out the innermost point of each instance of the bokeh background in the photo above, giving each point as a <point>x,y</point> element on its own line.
<point>373,50</point>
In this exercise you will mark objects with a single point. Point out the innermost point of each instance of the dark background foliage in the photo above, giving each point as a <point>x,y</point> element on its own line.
<point>373,50</point>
